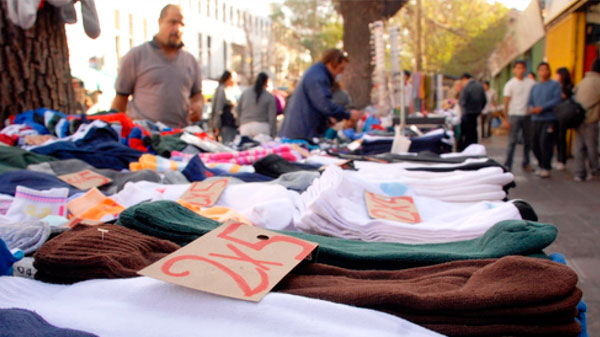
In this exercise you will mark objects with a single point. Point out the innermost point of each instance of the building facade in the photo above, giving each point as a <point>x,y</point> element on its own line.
<point>571,39</point>
<point>222,34</point>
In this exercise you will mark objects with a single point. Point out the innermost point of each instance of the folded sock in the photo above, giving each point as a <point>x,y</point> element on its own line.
<point>68,13</point>
<point>7,259</point>
<point>119,178</point>
<point>297,181</point>
<point>91,23</point>
<point>33,180</point>
<point>274,166</point>
<point>27,236</point>
<point>30,204</point>
<point>516,237</point>
<point>335,205</point>
<point>21,322</point>
<point>104,251</point>
<point>93,205</point>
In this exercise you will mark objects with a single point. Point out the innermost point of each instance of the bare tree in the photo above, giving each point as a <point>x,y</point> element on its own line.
<point>357,15</point>
<point>34,65</point>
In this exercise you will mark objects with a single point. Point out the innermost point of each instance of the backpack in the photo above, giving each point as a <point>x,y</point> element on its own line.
<point>569,113</point>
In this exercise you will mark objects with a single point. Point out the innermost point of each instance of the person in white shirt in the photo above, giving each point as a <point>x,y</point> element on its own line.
<point>516,96</point>
<point>488,110</point>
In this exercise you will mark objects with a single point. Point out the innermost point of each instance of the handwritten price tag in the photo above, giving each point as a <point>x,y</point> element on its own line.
<point>84,180</point>
<point>400,209</point>
<point>234,260</point>
<point>205,193</point>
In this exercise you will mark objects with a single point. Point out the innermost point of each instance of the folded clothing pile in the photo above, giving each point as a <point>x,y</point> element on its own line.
<point>335,205</point>
<point>171,221</point>
<point>512,295</point>
<point>105,251</point>
<point>455,186</point>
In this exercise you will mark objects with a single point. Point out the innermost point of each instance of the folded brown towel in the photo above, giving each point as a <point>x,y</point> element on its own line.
<point>509,296</point>
<point>84,252</point>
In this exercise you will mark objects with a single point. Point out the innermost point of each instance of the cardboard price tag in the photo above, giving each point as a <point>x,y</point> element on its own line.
<point>84,180</point>
<point>234,260</point>
<point>205,193</point>
<point>400,209</point>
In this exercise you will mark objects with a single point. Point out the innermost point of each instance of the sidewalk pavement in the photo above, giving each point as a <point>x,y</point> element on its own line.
<point>573,207</point>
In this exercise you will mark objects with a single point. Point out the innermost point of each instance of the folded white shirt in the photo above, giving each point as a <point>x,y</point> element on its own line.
<point>147,307</point>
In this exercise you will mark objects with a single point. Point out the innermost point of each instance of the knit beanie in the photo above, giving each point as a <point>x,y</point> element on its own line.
<point>166,220</point>
<point>105,251</point>
<point>171,221</point>
<point>27,236</point>
<point>20,322</point>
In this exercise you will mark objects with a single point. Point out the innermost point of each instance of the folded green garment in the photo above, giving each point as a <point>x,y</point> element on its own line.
<point>13,158</point>
<point>171,221</point>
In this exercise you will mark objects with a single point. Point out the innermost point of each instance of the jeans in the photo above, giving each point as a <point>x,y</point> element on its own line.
<point>227,134</point>
<point>561,144</point>
<point>468,129</point>
<point>486,125</point>
<point>586,147</point>
<point>544,139</point>
<point>522,124</point>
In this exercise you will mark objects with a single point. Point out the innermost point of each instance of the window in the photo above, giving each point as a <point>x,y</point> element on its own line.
<point>209,55</point>
<point>224,54</point>
<point>224,15</point>
<point>239,18</point>
<point>231,15</point>
<point>145,29</point>
<point>117,20</point>
<point>130,30</point>
<point>216,10</point>
<point>118,46</point>
<point>200,47</point>
<point>199,6</point>
<point>208,8</point>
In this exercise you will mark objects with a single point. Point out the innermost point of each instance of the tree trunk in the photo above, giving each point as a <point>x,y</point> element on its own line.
<point>419,48</point>
<point>34,65</point>
<point>357,16</point>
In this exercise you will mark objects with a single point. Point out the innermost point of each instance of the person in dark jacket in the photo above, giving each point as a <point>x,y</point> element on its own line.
<point>222,119</point>
<point>545,95</point>
<point>563,77</point>
<point>472,101</point>
<point>311,108</point>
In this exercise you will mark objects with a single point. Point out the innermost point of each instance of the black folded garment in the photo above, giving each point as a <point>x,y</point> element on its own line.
<point>274,166</point>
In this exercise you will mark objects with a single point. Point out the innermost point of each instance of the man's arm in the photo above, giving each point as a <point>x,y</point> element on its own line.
<point>119,103</point>
<point>554,100</point>
<point>506,103</point>
<point>320,97</point>
<point>196,106</point>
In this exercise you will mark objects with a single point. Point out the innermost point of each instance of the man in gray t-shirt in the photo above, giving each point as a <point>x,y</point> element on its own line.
<point>163,79</point>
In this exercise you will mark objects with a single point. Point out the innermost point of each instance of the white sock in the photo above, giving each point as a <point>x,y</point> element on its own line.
<point>334,205</point>
<point>30,204</point>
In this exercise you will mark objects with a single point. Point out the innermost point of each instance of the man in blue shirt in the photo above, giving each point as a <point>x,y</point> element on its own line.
<point>310,109</point>
<point>545,95</point>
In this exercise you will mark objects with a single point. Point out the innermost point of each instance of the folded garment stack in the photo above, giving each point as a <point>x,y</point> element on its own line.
<point>511,296</point>
<point>171,221</point>
<point>335,205</point>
